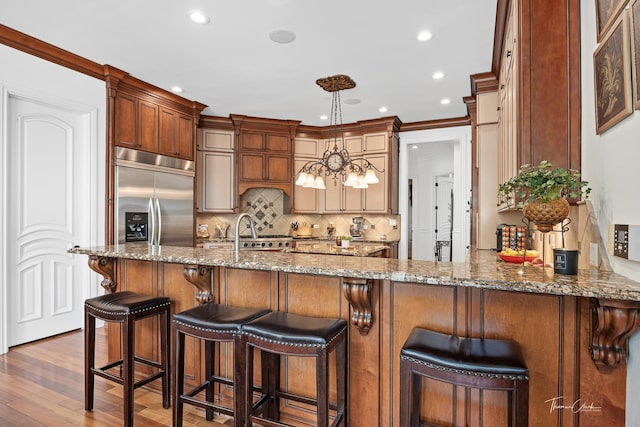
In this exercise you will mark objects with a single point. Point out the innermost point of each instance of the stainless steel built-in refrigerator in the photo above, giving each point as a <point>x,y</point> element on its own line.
<point>154,198</point>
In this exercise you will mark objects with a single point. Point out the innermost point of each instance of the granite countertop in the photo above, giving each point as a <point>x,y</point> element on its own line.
<point>482,269</point>
<point>332,249</point>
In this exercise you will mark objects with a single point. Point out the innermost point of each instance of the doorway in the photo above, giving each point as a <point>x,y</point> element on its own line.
<point>438,153</point>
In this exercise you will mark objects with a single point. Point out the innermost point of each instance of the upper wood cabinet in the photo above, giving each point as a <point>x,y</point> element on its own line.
<point>264,154</point>
<point>176,134</point>
<point>145,123</point>
<point>537,63</point>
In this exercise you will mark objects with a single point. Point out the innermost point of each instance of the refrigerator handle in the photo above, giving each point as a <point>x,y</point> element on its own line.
<point>152,223</point>
<point>159,219</point>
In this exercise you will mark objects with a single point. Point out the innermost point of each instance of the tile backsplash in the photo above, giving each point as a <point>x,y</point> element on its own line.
<point>266,207</point>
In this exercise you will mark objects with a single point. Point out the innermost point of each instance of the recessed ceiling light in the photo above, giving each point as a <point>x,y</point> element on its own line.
<point>445,101</point>
<point>415,147</point>
<point>177,89</point>
<point>424,36</point>
<point>282,36</point>
<point>324,117</point>
<point>352,101</point>
<point>437,75</point>
<point>383,109</point>
<point>198,17</point>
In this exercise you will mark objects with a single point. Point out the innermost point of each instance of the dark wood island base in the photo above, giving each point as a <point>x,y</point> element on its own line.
<point>572,330</point>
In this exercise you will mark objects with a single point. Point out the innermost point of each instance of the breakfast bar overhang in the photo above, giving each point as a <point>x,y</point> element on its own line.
<point>573,330</point>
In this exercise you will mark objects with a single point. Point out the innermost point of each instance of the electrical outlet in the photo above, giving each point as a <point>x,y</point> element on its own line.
<point>593,254</point>
<point>315,225</point>
<point>393,223</point>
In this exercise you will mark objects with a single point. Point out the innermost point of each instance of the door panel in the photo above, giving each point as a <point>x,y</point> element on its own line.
<point>47,212</point>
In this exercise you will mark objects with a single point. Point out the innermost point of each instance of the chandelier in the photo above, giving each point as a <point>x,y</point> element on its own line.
<point>336,162</point>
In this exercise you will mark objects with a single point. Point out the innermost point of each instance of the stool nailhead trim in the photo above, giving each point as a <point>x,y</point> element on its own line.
<point>200,328</point>
<point>125,313</point>
<point>464,371</point>
<point>336,336</point>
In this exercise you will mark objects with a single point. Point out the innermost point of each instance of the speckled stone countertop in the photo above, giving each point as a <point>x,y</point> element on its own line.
<point>326,248</point>
<point>482,270</point>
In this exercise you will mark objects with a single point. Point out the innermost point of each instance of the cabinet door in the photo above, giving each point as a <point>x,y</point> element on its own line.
<point>126,111</point>
<point>376,142</point>
<point>216,182</point>
<point>168,132</point>
<point>251,166</point>
<point>147,126</point>
<point>184,140</point>
<point>252,141</point>
<point>278,168</point>
<point>351,199</point>
<point>305,200</point>
<point>332,196</point>
<point>278,143</point>
<point>376,196</point>
<point>216,140</point>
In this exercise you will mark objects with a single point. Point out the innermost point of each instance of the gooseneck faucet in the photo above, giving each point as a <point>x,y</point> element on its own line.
<point>237,237</point>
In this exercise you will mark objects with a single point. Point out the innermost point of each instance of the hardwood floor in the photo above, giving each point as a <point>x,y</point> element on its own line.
<point>42,384</point>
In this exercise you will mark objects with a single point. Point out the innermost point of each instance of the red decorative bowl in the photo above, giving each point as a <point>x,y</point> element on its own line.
<point>517,259</point>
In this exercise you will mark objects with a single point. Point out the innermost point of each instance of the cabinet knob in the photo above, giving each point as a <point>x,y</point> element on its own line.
<point>502,86</point>
<point>508,53</point>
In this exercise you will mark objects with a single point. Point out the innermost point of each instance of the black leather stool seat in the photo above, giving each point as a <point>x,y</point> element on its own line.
<point>279,333</point>
<point>485,364</point>
<point>126,308</point>
<point>293,330</point>
<point>216,318</point>
<point>212,323</point>
<point>473,355</point>
<point>125,303</point>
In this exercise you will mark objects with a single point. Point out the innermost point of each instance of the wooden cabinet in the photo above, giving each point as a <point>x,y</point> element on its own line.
<point>375,198</point>
<point>136,123</point>
<point>306,200</point>
<point>176,134</point>
<point>539,84</point>
<point>216,171</point>
<point>264,154</point>
<point>147,126</point>
<point>265,157</point>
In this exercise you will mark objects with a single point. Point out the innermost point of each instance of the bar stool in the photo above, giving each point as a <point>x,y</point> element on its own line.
<point>486,364</point>
<point>211,323</point>
<point>126,308</point>
<point>277,334</point>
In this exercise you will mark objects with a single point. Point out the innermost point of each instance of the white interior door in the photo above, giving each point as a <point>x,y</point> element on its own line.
<point>47,211</point>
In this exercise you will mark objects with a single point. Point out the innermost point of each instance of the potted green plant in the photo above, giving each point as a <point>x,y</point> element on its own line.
<point>542,192</point>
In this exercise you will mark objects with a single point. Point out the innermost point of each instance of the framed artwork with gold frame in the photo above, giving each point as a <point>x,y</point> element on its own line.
<point>606,13</point>
<point>634,13</point>
<point>612,76</point>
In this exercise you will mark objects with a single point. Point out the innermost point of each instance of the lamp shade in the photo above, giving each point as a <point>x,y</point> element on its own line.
<point>301,178</point>
<point>309,180</point>
<point>370,177</point>
<point>319,183</point>
<point>352,179</point>
<point>361,182</point>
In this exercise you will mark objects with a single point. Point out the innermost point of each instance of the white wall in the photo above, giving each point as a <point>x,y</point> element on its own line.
<point>610,164</point>
<point>460,139</point>
<point>25,74</point>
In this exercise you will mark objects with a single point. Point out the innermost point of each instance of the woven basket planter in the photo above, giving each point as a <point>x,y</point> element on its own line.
<point>546,214</point>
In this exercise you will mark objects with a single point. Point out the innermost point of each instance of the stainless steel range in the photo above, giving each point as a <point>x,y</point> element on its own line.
<point>266,243</point>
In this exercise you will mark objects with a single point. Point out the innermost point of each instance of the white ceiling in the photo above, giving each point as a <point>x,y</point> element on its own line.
<point>232,66</point>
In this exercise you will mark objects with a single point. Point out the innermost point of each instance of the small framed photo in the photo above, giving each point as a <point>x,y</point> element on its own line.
<point>635,50</point>
<point>612,76</point>
<point>606,13</point>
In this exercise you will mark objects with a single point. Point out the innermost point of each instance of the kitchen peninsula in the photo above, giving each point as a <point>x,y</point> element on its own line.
<point>573,329</point>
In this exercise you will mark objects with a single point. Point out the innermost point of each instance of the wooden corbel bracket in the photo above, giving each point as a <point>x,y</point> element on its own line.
<point>358,293</point>
<point>200,277</point>
<point>105,267</point>
<point>612,323</point>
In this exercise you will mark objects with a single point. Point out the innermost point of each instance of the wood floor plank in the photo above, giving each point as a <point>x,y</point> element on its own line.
<point>42,385</point>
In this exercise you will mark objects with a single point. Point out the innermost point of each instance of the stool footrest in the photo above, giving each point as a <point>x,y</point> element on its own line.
<point>187,398</point>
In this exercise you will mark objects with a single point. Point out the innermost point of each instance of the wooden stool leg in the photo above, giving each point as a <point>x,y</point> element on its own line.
<point>128,367</point>
<point>271,383</point>
<point>522,403</point>
<point>178,405</point>
<point>414,399</point>
<point>248,383</point>
<point>405,392</point>
<point>322,388</point>
<point>209,360</point>
<point>341,379</point>
<point>165,353</point>
<point>241,394</point>
<point>89,359</point>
